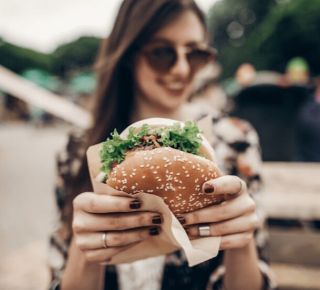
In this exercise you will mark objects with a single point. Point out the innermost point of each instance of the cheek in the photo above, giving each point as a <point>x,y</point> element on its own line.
<point>148,82</point>
<point>144,78</point>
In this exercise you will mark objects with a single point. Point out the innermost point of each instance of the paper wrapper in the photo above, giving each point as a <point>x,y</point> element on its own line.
<point>172,236</point>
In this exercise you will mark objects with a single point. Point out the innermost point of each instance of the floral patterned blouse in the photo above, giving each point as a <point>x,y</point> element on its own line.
<point>237,149</point>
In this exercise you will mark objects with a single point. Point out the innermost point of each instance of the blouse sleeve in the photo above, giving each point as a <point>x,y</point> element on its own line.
<point>236,144</point>
<point>67,164</point>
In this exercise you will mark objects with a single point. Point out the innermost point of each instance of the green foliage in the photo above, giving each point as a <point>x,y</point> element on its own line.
<point>19,59</point>
<point>185,138</point>
<point>281,30</point>
<point>80,53</point>
<point>72,56</point>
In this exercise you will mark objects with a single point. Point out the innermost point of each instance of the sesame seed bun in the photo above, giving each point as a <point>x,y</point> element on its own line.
<point>174,175</point>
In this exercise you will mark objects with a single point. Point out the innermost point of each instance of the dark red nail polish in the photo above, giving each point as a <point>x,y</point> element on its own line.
<point>181,219</point>
<point>157,220</point>
<point>153,231</point>
<point>135,204</point>
<point>208,188</point>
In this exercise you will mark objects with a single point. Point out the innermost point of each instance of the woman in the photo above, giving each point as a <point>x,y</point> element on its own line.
<point>146,69</point>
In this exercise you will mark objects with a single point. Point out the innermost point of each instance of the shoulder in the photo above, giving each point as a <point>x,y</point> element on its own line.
<point>235,130</point>
<point>69,158</point>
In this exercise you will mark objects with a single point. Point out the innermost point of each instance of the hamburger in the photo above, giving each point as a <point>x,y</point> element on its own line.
<point>164,157</point>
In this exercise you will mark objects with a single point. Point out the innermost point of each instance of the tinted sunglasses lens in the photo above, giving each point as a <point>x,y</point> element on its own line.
<point>198,58</point>
<point>161,58</point>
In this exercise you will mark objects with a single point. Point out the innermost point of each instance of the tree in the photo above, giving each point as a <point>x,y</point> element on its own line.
<point>266,33</point>
<point>18,59</point>
<point>77,54</point>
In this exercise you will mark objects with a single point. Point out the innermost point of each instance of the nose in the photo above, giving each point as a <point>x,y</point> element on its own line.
<point>181,68</point>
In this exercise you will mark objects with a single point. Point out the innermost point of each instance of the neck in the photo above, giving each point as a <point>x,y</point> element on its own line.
<point>144,109</point>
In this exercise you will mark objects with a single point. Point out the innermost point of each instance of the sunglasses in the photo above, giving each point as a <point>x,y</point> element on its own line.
<point>163,58</point>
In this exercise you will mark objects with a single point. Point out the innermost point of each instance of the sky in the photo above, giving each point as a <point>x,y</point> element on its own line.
<point>44,24</point>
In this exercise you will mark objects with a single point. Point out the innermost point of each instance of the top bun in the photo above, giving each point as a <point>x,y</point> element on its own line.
<point>172,174</point>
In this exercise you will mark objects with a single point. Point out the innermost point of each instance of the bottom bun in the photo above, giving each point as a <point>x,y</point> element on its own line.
<point>174,175</point>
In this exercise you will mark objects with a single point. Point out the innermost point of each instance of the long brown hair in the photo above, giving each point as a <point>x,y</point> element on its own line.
<point>136,23</point>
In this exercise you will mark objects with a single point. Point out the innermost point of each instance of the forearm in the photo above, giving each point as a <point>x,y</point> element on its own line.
<point>81,274</point>
<point>242,271</point>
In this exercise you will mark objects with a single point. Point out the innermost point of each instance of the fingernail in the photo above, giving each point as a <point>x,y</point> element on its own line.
<point>208,188</point>
<point>135,204</point>
<point>181,219</point>
<point>153,231</point>
<point>157,220</point>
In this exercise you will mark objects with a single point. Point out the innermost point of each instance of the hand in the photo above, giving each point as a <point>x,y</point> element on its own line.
<point>234,220</point>
<point>122,219</point>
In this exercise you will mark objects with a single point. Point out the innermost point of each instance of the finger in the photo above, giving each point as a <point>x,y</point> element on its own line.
<point>96,241</point>
<point>228,210</point>
<point>106,189</point>
<point>104,256</point>
<point>87,222</point>
<point>246,223</point>
<point>228,184</point>
<point>95,203</point>
<point>236,241</point>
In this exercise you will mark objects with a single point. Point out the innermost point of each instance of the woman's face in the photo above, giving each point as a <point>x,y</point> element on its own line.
<point>168,90</point>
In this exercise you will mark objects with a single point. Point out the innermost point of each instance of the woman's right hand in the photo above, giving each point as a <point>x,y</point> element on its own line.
<point>121,219</point>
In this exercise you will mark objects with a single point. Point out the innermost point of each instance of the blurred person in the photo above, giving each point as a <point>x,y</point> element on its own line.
<point>246,74</point>
<point>297,72</point>
<point>147,69</point>
<point>36,116</point>
<point>308,128</point>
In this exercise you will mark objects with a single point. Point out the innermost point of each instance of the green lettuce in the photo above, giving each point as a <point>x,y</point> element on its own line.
<point>185,138</point>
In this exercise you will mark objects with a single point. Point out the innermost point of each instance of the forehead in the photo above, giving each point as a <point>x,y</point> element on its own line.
<point>185,28</point>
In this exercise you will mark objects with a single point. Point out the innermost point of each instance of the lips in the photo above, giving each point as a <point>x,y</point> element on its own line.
<point>174,88</point>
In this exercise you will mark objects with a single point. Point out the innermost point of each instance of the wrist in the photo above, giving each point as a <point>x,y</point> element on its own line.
<point>81,273</point>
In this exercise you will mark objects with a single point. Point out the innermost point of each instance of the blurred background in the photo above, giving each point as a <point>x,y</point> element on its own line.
<point>268,73</point>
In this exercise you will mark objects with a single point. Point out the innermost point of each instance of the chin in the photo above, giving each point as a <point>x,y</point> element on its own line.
<point>173,101</point>
<point>172,105</point>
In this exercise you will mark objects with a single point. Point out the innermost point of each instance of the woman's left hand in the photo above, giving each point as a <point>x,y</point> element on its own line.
<point>234,220</point>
